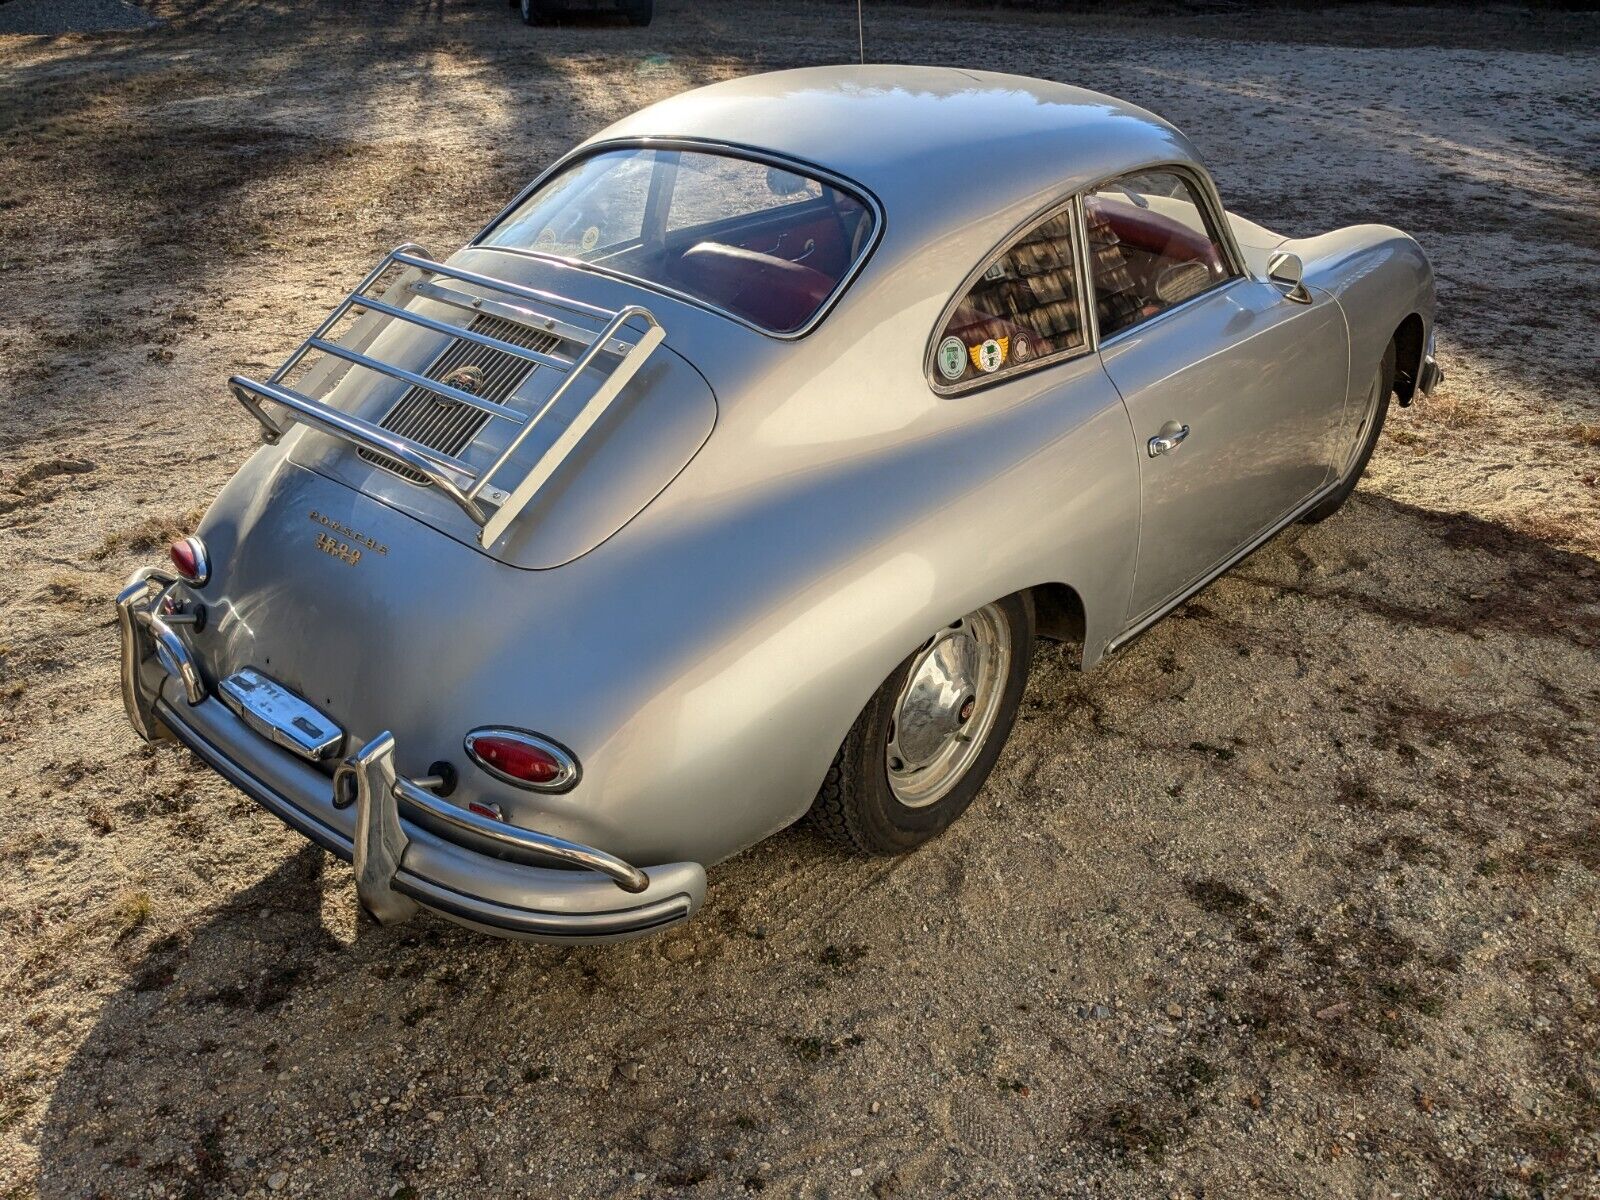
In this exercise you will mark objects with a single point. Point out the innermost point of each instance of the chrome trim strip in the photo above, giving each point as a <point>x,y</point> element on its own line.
<point>1215,289</point>
<point>474,910</point>
<point>1206,580</point>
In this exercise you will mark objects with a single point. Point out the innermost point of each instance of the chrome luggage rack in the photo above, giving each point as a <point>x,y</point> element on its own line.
<point>472,491</point>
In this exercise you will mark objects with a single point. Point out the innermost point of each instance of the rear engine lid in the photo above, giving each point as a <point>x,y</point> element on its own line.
<point>649,433</point>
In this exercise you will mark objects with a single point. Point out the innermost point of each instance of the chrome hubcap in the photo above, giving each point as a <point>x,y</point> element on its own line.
<point>948,706</point>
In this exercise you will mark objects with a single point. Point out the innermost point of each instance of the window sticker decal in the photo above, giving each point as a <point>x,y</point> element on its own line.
<point>989,355</point>
<point>952,358</point>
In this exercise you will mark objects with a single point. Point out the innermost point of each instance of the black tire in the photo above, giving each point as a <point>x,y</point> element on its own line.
<point>1335,500</point>
<point>857,807</point>
<point>639,12</point>
<point>540,12</point>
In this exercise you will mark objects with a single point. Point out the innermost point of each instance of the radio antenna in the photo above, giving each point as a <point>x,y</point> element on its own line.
<point>861,34</point>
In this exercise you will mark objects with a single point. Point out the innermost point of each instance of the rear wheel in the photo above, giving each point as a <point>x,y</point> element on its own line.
<point>926,741</point>
<point>1365,440</point>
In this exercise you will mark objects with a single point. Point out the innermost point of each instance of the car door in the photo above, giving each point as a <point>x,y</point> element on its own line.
<point>1234,390</point>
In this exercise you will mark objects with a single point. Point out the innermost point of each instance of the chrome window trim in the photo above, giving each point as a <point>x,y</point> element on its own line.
<point>930,367</point>
<point>1222,233</point>
<point>704,146</point>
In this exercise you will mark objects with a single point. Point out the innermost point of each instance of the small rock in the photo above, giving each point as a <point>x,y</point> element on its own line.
<point>1099,1012</point>
<point>1175,1011</point>
<point>874,1108</point>
<point>1333,1010</point>
<point>856,1172</point>
<point>276,1180</point>
<point>435,1116</point>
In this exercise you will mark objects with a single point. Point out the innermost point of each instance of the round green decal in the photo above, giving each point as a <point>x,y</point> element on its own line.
<point>952,358</point>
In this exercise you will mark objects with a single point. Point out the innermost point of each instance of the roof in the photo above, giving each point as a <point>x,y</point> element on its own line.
<point>945,144</point>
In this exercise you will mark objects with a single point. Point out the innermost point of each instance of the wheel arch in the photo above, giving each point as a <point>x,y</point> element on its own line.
<point>1410,339</point>
<point>1058,612</point>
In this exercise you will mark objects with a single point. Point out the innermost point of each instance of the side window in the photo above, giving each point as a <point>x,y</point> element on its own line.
<point>1151,245</point>
<point>1023,310</point>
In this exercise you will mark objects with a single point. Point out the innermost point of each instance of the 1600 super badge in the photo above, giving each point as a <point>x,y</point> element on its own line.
<point>343,549</point>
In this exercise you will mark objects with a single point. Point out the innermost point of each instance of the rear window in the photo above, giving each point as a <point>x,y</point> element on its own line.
<point>763,243</point>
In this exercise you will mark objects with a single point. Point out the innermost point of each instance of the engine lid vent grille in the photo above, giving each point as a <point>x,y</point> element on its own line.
<point>445,425</point>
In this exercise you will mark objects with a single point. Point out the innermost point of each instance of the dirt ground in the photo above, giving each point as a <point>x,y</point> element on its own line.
<point>1297,897</point>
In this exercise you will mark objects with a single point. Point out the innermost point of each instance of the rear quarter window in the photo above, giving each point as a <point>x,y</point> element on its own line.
<point>1024,309</point>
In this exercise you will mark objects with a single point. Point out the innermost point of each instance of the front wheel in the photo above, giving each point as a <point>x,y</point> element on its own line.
<point>926,741</point>
<point>1366,439</point>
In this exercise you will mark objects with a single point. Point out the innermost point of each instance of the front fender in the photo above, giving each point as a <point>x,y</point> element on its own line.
<point>1380,276</point>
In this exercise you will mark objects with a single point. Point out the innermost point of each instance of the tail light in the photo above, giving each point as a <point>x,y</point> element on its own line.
<point>523,759</point>
<point>189,556</point>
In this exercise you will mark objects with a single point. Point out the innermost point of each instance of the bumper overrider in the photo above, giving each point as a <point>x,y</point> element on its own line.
<point>406,843</point>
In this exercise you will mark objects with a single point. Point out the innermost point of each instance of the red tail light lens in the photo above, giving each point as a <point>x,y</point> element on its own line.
<point>524,759</point>
<point>189,557</point>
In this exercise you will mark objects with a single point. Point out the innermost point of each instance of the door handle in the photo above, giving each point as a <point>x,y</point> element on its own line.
<point>1164,442</point>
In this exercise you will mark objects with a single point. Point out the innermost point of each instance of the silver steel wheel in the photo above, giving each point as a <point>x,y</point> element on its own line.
<point>948,706</point>
<point>1368,415</point>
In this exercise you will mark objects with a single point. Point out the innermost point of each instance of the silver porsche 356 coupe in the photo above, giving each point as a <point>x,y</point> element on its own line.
<point>729,475</point>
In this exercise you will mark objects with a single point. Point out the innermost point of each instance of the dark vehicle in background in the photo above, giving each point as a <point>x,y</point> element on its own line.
<point>542,12</point>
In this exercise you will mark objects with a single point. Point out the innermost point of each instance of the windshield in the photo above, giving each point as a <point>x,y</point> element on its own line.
<point>760,242</point>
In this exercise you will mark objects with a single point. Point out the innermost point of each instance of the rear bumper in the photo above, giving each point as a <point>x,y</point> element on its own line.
<point>401,863</point>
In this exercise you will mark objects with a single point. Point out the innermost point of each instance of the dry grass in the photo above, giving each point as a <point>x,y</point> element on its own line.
<point>1584,433</point>
<point>130,911</point>
<point>146,535</point>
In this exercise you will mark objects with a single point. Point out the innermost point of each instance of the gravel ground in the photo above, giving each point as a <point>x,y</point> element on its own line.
<point>71,16</point>
<point>1297,897</point>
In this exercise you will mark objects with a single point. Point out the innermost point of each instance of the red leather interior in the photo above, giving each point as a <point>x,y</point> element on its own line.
<point>1159,235</point>
<point>770,291</point>
<point>828,251</point>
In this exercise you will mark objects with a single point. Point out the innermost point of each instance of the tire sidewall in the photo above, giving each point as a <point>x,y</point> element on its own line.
<point>885,821</point>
